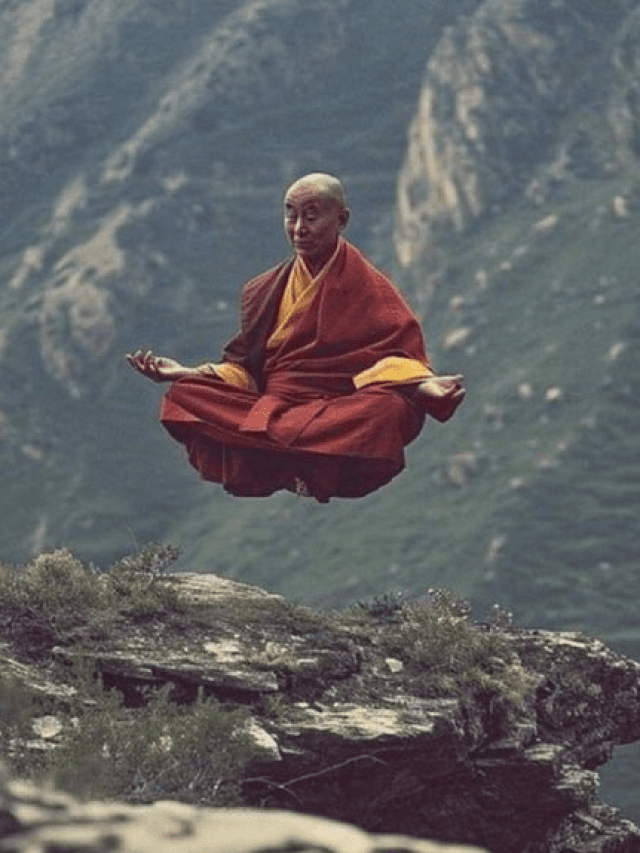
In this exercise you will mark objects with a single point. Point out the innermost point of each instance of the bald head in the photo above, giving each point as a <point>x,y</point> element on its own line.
<point>322,184</point>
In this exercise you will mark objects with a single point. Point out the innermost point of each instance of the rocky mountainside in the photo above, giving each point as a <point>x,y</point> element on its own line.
<point>403,720</point>
<point>512,104</point>
<point>145,150</point>
<point>518,198</point>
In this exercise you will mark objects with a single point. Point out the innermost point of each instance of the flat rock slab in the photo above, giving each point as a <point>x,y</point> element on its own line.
<point>40,822</point>
<point>210,588</point>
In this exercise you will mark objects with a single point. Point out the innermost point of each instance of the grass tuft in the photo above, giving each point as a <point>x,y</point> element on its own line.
<point>445,653</point>
<point>56,599</point>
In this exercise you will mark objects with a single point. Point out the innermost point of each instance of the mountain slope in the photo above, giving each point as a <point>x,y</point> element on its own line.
<point>145,151</point>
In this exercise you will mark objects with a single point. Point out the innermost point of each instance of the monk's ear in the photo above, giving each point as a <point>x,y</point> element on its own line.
<point>344,217</point>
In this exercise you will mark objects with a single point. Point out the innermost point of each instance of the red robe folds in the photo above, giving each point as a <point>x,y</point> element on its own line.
<point>307,422</point>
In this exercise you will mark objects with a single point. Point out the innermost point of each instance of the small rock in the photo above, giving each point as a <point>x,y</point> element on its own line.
<point>525,391</point>
<point>456,337</point>
<point>496,545</point>
<point>482,279</point>
<point>616,350</point>
<point>262,739</point>
<point>619,207</point>
<point>553,395</point>
<point>47,727</point>
<point>461,466</point>
<point>546,225</point>
<point>224,650</point>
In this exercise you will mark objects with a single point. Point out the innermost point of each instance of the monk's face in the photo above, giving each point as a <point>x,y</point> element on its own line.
<point>313,221</point>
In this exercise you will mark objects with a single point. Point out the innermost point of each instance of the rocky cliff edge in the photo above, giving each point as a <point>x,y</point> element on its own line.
<point>397,718</point>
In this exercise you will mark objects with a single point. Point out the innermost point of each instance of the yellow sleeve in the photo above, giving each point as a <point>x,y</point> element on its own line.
<point>393,368</point>
<point>232,373</point>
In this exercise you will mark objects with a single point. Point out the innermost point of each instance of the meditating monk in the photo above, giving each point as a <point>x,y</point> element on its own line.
<point>326,382</point>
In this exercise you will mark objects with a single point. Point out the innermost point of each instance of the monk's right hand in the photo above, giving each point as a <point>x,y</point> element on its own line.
<point>157,368</point>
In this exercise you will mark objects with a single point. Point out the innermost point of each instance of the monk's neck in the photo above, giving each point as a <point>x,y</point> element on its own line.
<point>315,265</point>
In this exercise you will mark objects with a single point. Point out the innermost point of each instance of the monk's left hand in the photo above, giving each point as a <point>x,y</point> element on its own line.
<point>443,395</point>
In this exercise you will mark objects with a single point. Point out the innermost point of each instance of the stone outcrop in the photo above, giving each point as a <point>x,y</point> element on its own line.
<point>352,724</point>
<point>41,821</point>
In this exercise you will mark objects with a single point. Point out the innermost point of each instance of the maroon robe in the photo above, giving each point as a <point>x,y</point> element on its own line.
<point>307,422</point>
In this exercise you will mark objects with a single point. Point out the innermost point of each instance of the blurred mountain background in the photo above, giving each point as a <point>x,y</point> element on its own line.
<point>491,153</point>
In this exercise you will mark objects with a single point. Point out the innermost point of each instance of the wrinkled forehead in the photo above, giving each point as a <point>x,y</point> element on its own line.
<point>316,189</point>
<point>308,194</point>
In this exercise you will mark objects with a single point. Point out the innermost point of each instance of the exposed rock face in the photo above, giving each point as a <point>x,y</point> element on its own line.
<point>490,113</point>
<point>350,731</point>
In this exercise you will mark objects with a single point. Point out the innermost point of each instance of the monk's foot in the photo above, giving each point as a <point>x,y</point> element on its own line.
<point>301,489</point>
<point>442,395</point>
<point>443,409</point>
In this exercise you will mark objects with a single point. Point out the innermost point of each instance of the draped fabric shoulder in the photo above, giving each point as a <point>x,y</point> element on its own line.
<point>258,311</point>
<point>307,421</point>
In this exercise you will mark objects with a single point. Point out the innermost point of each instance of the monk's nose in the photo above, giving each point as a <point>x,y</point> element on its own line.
<point>299,227</point>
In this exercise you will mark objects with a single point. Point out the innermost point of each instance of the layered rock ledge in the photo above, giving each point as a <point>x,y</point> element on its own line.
<point>409,720</point>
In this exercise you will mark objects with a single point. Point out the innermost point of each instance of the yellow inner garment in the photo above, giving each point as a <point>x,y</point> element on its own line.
<point>393,368</point>
<point>298,293</point>
<point>297,296</point>
<point>234,374</point>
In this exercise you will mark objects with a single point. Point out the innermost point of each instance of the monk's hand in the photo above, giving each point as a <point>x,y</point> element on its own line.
<point>443,395</point>
<point>157,368</point>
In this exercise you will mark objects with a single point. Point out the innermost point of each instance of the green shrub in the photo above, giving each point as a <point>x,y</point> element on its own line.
<point>19,705</point>
<point>385,608</point>
<point>140,585</point>
<point>56,599</point>
<point>51,599</point>
<point>194,753</point>
<point>153,560</point>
